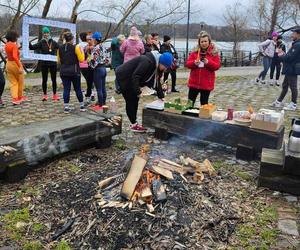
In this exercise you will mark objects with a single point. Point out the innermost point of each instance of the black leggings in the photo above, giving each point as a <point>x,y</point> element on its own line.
<point>204,95</point>
<point>88,76</point>
<point>53,70</point>
<point>173,77</point>
<point>2,82</point>
<point>132,104</point>
<point>277,65</point>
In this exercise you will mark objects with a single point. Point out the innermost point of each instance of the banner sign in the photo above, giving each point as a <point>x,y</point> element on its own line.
<point>27,54</point>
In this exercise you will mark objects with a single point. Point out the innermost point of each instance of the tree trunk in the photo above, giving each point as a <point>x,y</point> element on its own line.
<point>16,18</point>
<point>131,7</point>
<point>74,11</point>
<point>44,15</point>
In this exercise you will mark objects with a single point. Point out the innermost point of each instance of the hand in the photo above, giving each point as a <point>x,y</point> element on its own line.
<point>205,61</point>
<point>197,62</point>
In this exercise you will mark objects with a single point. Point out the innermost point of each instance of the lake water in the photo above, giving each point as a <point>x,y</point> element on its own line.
<point>246,46</point>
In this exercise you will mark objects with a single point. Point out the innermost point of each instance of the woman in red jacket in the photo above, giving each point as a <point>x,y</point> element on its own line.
<point>203,62</point>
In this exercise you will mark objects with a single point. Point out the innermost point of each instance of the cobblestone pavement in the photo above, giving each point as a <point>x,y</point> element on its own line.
<point>241,91</point>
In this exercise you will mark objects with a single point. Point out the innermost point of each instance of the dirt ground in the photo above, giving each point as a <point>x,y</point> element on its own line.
<point>223,212</point>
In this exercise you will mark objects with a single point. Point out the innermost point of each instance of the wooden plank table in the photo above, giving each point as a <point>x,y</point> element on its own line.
<point>33,144</point>
<point>212,131</point>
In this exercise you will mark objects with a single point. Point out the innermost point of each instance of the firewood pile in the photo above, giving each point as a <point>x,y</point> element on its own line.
<point>146,183</point>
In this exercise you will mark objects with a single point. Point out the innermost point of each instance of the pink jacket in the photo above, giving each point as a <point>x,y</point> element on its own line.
<point>132,48</point>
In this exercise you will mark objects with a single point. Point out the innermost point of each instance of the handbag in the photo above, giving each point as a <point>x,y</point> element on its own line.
<point>175,64</point>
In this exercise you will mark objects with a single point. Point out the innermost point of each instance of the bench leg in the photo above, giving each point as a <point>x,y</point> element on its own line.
<point>103,142</point>
<point>244,152</point>
<point>15,173</point>
<point>162,134</point>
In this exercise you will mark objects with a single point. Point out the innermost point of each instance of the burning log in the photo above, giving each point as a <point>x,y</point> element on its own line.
<point>105,183</point>
<point>164,172</point>
<point>159,190</point>
<point>133,177</point>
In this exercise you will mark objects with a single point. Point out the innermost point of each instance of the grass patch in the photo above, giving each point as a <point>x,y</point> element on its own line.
<point>33,245</point>
<point>229,78</point>
<point>259,232</point>
<point>220,164</point>
<point>243,175</point>
<point>37,228</point>
<point>63,245</point>
<point>68,166</point>
<point>121,144</point>
<point>15,223</point>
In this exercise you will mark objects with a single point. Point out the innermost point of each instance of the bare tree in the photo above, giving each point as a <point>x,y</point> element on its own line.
<point>236,20</point>
<point>75,11</point>
<point>272,15</point>
<point>19,9</point>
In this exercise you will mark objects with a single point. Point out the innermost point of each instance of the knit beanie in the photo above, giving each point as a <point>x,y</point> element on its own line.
<point>166,59</point>
<point>167,38</point>
<point>45,30</point>
<point>274,33</point>
<point>97,35</point>
<point>133,31</point>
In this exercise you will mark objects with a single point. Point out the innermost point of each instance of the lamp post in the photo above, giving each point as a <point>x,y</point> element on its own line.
<point>188,31</point>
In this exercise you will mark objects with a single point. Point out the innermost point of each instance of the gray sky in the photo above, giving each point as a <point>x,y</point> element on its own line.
<point>211,10</point>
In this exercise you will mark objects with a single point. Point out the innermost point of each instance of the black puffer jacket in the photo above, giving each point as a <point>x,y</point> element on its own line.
<point>137,73</point>
<point>168,48</point>
<point>291,61</point>
<point>44,48</point>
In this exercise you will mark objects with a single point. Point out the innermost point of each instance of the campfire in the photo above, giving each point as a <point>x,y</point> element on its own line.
<point>146,182</point>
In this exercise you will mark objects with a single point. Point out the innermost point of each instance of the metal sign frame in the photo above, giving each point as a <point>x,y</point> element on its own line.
<point>27,54</point>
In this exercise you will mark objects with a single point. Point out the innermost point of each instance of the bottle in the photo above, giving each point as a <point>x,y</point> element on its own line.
<point>113,105</point>
<point>230,111</point>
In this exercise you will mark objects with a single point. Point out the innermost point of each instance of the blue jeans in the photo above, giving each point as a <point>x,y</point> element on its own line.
<point>67,81</point>
<point>267,61</point>
<point>99,81</point>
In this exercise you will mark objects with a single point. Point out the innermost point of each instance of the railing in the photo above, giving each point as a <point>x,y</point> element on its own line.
<point>242,58</point>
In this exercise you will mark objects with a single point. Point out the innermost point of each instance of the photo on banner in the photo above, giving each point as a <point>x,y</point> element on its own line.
<point>58,26</point>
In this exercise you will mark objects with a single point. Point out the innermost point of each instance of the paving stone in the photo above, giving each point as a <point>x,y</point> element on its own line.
<point>288,227</point>
<point>291,198</point>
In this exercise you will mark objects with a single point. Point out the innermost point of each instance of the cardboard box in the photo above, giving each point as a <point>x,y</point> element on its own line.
<point>267,126</point>
<point>206,113</point>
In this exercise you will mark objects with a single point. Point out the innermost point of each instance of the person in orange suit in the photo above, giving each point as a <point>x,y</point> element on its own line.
<point>14,68</point>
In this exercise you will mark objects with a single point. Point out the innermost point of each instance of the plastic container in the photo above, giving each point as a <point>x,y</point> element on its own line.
<point>113,105</point>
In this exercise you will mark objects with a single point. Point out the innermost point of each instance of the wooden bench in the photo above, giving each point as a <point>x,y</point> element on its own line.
<point>30,145</point>
<point>212,131</point>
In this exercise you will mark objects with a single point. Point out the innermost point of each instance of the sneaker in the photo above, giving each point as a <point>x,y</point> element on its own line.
<point>97,108</point>
<point>257,80</point>
<point>276,104</point>
<point>263,82</point>
<point>291,107</point>
<point>277,83</point>
<point>16,101</point>
<point>137,128</point>
<point>67,110</point>
<point>55,97</point>
<point>175,90</point>
<point>45,98</point>
<point>271,82</point>
<point>92,98</point>
<point>23,99</point>
<point>82,109</point>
